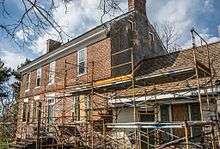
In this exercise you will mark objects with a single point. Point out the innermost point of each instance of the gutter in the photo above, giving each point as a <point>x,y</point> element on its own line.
<point>163,96</point>
<point>103,27</point>
<point>59,51</point>
<point>127,79</point>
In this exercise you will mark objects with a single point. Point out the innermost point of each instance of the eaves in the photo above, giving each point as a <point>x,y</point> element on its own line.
<point>78,43</point>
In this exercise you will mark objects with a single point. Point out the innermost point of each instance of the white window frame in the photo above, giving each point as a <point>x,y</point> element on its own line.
<point>27,80</point>
<point>38,76</point>
<point>24,114</point>
<point>51,102</point>
<point>36,100</point>
<point>52,69</point>
<point>85,61</point>
<point>87,99</point>
<point>76,108</point>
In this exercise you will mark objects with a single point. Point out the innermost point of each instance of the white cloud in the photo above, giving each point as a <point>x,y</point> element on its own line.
<point>82,15</point>
<point>23,34</point>
<point>75,19</point>
<point>20,34</point>
<point>205,35</point>
<point>209,5</point>
<point>12,59</point>
<point>182,14</point>
<point>179,13</point>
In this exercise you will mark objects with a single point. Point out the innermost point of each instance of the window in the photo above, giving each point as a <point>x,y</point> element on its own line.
<point>88,105</point>
<point>52,72</point>
<point>194,112</point>
<point>81,62</point>
<point>35,108</point>
<point>51,103</point>
<point>27,82</point>
<point>34,114</point>
<point>25,110</point>
<point>76,109</point>
<point>38,78</point>
<point>165,113</point>
<point>165,116</point>
<point>28,113</point>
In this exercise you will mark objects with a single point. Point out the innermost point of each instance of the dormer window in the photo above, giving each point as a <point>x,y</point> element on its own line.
<point>27,82</point>
<point>38,77</point>
<point>81,62</point>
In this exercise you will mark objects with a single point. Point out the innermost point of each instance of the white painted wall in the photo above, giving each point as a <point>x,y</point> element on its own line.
<point>125,115</point>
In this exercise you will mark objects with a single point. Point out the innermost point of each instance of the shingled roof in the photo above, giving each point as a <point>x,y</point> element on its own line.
<point>157,69</point>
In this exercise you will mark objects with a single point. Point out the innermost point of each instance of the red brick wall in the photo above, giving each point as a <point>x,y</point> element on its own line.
<point>99,52</point>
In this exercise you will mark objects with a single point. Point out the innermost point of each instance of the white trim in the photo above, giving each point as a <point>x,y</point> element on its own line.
<point>27,90</point>
<point>50,95</point>
<point>162,96</point>
<point>171,118</point>
<point>170,114</point>
<point>60,51</point>
<point>25,100</point>
<point>159,114</point>
<point>190,119</point>
<point>36,98</point>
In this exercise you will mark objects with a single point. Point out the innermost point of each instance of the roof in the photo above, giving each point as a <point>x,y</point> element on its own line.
<point>167,73</point>
<point>174,62</point>
<point>94,35</point>
<point>168,62</point>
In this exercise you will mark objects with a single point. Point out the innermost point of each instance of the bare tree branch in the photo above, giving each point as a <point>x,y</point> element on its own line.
<point>169,36</point>
<point>109,7</point>
<point>37,17</point>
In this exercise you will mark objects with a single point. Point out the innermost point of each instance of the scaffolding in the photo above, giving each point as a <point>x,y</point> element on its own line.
<point>97,124</point>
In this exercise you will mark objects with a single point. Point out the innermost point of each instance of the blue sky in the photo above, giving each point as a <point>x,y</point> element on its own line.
<point>83,15</point>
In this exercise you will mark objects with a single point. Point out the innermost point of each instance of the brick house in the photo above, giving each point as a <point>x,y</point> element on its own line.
<point>73,82</point>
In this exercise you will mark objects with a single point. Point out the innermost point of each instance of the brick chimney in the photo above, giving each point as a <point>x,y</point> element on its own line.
<point>52,45</point>
<point>138,5</point>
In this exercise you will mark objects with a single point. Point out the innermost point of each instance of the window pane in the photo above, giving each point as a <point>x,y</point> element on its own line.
<point>195,116</point>
<point>27,82</point>
<point>51,72</point>
<point>38,82</point>
<point>164,113</point>
<point>76,108</point>
<point>24,115</point>
<point>39,72</point>
<point>28,112</point>
<point>81,61</point>
<point>165,117</point>
<point>34,116</point>
<point>51,102</point>
<point>81,55</point>
<point>82,68</point>
<point>38,78</point>
<point>50,114</point>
